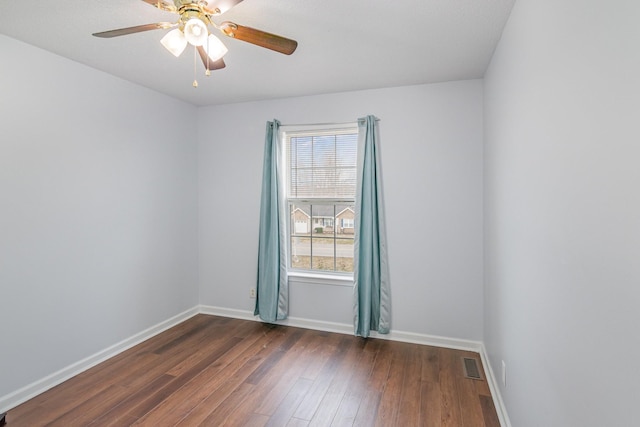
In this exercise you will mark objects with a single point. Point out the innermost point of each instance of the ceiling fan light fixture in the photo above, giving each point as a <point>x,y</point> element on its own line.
<point>193,25</point>
<point>175,42</point>
<point>195,31</point>
<point>215,48</point>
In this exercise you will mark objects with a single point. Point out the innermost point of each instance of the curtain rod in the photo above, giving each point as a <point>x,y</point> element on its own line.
<point>322,124</point>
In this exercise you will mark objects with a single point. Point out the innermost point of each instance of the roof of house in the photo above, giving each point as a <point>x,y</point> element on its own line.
<point>323,211</point>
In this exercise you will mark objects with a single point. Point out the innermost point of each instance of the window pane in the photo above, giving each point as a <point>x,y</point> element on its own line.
<point>344,254</point>
<point>322,220</point>
<point>301,252</point>
<point>345,218</point>
<point>300,220</point>
<point>300,228</point>
<point>323,254</point>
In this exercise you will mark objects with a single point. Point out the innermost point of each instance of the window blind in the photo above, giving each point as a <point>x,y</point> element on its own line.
<point>322,165</point>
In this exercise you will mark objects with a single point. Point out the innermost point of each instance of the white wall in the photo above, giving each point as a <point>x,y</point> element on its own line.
<point>562,212</point>
<point>431,139</point>
<point>98,218</point>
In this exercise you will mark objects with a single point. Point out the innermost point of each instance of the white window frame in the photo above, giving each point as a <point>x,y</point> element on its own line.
<point>335,278</point>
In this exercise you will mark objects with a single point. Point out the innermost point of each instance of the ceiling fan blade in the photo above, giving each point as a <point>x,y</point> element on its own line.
<point>217,7</point>
<point>259,38</point>
<point>167,5</point>
<point>208,63</point>
<point>136,29</point>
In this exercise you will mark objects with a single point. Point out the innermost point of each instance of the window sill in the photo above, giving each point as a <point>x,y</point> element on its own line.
<point>320,279</point>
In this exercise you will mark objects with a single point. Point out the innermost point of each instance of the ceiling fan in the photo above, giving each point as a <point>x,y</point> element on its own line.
<point>192,27</point>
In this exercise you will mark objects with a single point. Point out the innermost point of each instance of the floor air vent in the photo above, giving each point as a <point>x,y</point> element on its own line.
<point>471,369</point>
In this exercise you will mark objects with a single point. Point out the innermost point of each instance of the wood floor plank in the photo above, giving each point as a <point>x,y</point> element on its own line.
<point>164,393</point>
<point>183,401</point>
<point>380,374</point>
<point>410,397</point>
<point>328,406</point>
<point>217,371</point>
<point>430,404</point>
<point>90,409</point>
<point>65,397</point>
<point>297,422</point>
<point>469,402</point>
<point>119,369</point>
<point>275,385</point>
<point>279,379</point>
<point>197,329</point>
<point>390,398</point>
<point>319,361</point>
<point>275,357</point>
<point>284,412</point>
<point>348,409</point>
<point>430,364</point>
<point>489,414</point>
<point>202,348</point>
<point>220,416</point>
<point>450,410</point>
<point>294,365</point>
<point>255,420</point>
<point>239,376</point>
<point>117,421</point>
<point>321,384</point>
<point>132,400</point>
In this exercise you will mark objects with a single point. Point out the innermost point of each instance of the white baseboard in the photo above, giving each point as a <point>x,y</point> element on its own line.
<point>501,409</point>
<point>22,395</point>
<point>14,399</point>
<point>344,328</point>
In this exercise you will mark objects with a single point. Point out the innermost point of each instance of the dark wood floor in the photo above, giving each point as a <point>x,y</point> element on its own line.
<point>215,371</point>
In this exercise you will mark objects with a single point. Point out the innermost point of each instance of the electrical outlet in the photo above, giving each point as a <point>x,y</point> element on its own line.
<point>252,293</point>
<point>504,374</point>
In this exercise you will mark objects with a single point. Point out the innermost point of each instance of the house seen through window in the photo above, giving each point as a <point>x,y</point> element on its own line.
<point>321,192</point>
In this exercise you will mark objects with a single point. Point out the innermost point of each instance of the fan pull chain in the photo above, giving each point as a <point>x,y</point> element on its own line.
<point>195,63</point>
<point>208,71</point>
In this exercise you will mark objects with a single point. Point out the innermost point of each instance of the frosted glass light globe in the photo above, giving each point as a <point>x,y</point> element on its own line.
<point>195,31</point>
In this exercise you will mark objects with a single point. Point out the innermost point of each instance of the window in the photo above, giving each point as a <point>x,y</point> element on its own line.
<point>321,191</point>
<point>347,223</point>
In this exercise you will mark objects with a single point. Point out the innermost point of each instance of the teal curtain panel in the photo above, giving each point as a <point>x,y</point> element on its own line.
<point>372,295</point>
<point>272,289</point>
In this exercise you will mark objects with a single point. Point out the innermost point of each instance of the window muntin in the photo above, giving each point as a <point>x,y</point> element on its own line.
<point>321,186</point>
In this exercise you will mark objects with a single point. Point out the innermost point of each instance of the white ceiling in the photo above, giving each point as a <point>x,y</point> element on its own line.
<point>342,44</point>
